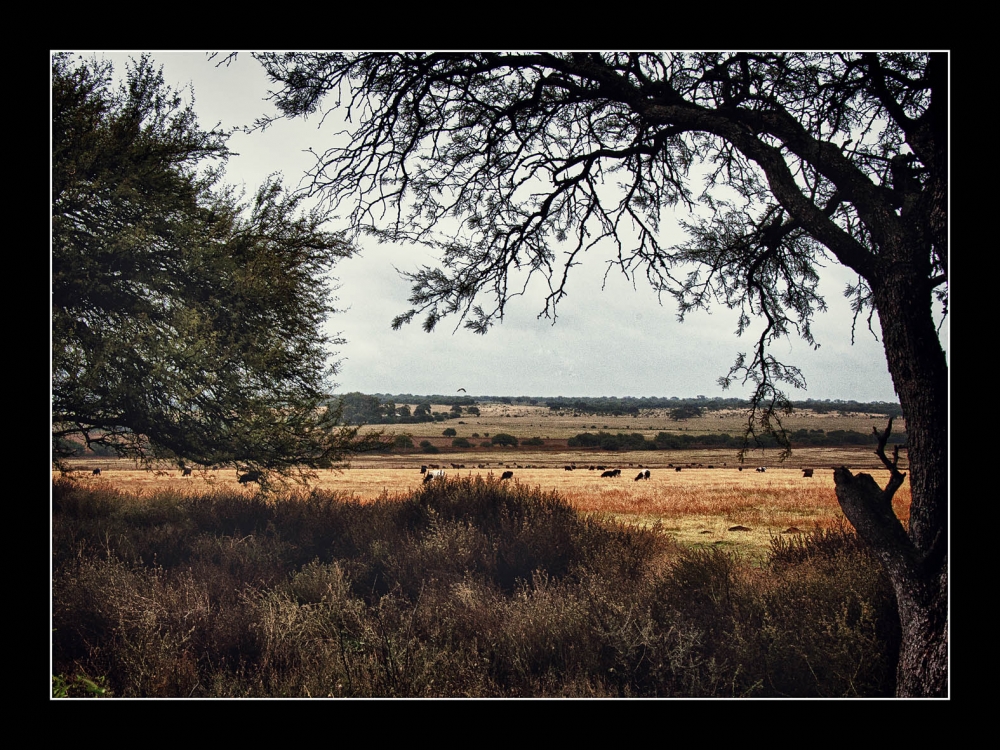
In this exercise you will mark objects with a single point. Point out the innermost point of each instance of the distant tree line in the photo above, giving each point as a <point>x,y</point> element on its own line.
<point>359,408</point>
<point>672,441</point>
<point>386,408</point>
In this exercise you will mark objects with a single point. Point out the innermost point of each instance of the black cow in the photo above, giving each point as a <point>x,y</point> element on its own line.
<point>569,468</point>
<point>423,469</point>
<point>639,476</point>
<point>186,473</point>
<point>677,469</point>
<point>250,476</point>
<point>96,472</point>
<point>807,472</point>
<point>507,475</point>
<point>646,473</point>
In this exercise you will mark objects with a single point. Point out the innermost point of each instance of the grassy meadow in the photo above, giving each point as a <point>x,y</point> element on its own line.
<point>367,582</point>
<point>696,506</point>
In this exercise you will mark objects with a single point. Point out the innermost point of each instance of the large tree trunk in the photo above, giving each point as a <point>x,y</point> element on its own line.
<point>916,558</point>
<point>920,583</point>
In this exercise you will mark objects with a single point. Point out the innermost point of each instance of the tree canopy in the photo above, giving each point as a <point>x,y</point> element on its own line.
<point>186,318</point>
<point>517,165</point>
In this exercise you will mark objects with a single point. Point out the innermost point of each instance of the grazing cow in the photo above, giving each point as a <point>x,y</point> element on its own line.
<point>507,475</point>
<point>807,472</point>
<point>678,468</point>
<point>761,469</point>
<point>646,473</point>
<point>568,468</point>
<point>96,472</point>
<point>639,476</point>
<point>608,473</point>
<point>434,474</point>
<point>423,469</point>
<point>250,476</point>
<point>186,472</point>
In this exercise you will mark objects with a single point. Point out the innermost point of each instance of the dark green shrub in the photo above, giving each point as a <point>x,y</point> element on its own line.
<point>449,432</point>
<point>402,443</point>
<point>502,438</point>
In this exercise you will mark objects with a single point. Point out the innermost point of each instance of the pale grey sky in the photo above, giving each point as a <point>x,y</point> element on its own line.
<point>615,342</point>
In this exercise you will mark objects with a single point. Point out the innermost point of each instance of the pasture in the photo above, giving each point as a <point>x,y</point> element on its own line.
<point>697,506</point>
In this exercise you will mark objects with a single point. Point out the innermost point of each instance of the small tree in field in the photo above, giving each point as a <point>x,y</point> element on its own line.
<point>825,157</point>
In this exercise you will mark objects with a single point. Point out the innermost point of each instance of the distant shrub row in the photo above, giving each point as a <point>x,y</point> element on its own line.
<point>677,441</point>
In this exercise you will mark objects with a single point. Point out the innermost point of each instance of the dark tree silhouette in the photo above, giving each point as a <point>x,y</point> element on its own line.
<point>186,322</point>
<point>517,165</point>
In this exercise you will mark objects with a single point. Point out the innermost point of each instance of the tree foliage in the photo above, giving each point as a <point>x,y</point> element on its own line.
<point>186,319</point>
<point>516,165</point>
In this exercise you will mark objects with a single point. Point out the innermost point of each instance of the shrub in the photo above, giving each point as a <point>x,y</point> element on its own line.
<point>502,438</point>
<point>461,443</point>
<point>449,432</point>
<point>466,587</point>
<point>533,441</point>
<point>402,443</point>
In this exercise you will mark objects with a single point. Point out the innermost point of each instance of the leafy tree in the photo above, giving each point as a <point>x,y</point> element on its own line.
<point>360,408</point>
<point>810,158</point>
<point>502,438</point>
<point>686,412</point>
<point>449,432</point>
<point>186,321</point>
<point>461,442</point>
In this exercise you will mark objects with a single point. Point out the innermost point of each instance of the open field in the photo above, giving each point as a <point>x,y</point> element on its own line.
<point>524,421</point>
<point>697,505</point>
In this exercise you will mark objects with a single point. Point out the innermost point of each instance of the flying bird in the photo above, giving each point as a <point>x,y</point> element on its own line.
<point>461,390</point>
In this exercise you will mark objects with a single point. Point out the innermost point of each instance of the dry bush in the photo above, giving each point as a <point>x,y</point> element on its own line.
<point>469,587</point>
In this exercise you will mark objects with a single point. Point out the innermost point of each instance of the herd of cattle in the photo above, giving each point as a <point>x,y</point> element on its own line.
<point>434,471</point>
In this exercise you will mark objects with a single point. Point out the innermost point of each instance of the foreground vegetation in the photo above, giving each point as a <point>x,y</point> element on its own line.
<point>469,587</point>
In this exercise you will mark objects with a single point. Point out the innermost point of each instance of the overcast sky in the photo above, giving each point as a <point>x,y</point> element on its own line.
<point>615,342</point>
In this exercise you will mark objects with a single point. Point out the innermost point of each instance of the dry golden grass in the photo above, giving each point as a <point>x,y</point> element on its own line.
<point>538,421</point>
<point>698,506</point>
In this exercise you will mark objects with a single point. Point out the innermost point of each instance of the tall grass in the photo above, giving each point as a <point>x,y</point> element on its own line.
<point>468,587</point>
